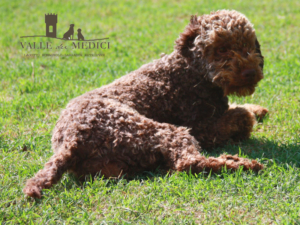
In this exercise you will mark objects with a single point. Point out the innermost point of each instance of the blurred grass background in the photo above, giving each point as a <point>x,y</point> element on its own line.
<point>34,90</point>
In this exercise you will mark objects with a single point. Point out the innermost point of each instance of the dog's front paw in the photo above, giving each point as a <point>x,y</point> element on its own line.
<point>259,111</point>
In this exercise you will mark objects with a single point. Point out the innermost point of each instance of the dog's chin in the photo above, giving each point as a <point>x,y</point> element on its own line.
<point>233,85</point>
<point>233,89</point>
<point>238,90</point>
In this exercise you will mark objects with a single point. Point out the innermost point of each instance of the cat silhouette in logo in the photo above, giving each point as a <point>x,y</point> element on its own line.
<point>79,35</point>
<point>70,32</point>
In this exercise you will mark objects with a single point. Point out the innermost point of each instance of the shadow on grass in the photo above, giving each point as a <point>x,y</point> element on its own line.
<point>262,149</point>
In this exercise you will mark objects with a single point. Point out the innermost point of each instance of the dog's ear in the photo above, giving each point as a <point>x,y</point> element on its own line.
<point>257,46</point>
<point>186,39</point>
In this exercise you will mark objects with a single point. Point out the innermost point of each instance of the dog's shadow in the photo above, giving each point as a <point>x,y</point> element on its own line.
<point>261,149</point>
<point>266,151</point>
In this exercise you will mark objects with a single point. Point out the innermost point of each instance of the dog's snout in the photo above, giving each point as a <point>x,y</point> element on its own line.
<point>249,73</point>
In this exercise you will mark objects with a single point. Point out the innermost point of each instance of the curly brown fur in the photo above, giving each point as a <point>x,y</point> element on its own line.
<point>166,111</point>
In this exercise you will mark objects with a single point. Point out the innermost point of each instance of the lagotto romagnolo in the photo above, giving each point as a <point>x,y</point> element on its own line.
<point>165,112</point>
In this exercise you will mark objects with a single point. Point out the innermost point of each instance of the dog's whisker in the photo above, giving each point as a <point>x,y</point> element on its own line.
<point>224,64</point>
<point>197,84</point>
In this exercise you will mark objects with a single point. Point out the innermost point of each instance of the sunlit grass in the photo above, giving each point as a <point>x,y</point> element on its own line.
<point>33,91</point>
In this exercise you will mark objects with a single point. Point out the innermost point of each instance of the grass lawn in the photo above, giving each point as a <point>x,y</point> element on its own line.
<point>33,91</point>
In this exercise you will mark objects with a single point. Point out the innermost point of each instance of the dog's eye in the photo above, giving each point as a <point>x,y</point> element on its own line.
<point>222,50</point>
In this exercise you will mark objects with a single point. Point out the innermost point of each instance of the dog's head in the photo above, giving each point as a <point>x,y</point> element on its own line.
<point>225,44</point>
<point>79,30</point>
<point>71,25</point>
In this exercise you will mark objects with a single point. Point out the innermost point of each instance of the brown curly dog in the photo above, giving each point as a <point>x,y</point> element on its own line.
<point>166,111</point>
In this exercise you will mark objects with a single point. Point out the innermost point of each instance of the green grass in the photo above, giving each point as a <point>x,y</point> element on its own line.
<point>30,104</point>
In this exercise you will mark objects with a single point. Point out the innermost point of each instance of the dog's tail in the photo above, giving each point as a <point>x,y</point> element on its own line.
<point>48,176</point>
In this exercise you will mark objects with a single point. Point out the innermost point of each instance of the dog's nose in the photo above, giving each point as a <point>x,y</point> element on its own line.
<point>250,73</point>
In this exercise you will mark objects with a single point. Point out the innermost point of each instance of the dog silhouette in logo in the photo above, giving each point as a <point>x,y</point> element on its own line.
<point>79,35</point>
<point>70,32</point>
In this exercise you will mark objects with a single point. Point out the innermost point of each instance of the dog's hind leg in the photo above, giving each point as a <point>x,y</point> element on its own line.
<point>182,153</point>
<point>197,163</point>
<point>49,175</point>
